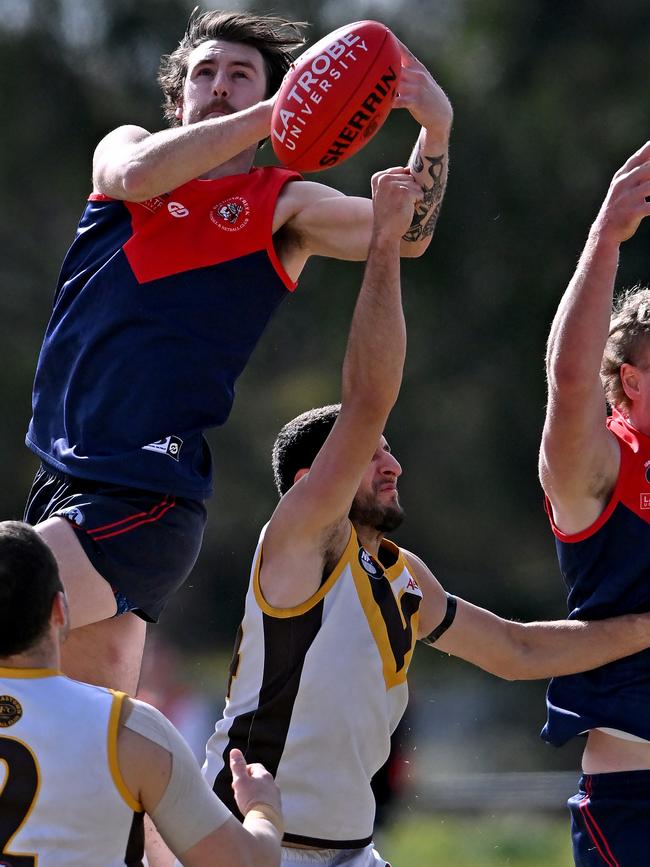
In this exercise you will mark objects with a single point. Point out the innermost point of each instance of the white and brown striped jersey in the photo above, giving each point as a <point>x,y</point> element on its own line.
<point>316,691</point>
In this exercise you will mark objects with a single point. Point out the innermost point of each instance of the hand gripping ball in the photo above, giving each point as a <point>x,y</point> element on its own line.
<point>336,96</point>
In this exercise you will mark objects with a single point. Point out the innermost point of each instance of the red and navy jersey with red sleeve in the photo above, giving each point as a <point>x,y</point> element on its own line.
<point>607,571</point>
<point>157,310</point>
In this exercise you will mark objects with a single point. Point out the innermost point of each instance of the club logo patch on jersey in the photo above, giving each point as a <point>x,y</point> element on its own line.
<point>232,214</point>
<point>369,564</point>
<point>74,515</point>
<point>177,209</point>
<point>170,445</point>
<point>10,711</point>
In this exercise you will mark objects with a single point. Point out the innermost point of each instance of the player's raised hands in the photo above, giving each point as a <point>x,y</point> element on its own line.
<point>394,194</point>
<point>626,202</point>
<point>253,785</point>
<point>420,94</point>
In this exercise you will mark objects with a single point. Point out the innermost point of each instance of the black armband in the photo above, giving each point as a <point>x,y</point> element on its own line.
<point>445,623</point>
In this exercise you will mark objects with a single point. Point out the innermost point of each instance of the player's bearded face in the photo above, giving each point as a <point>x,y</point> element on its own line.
<point>222,78</point>
<point>367,510</point>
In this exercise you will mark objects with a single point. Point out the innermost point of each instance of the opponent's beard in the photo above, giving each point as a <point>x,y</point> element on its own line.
<point>384,519</point>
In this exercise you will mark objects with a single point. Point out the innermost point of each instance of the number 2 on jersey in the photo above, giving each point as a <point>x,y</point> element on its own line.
<point>17,796</point>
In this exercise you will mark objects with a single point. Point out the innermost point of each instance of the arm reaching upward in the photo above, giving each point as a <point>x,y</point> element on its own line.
<point>429,162</point>
<point>313,513</point>
<point>325,222</point>
<point>579,458</point>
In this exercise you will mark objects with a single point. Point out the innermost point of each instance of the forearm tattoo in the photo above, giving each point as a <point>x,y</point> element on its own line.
<point>425,215</point>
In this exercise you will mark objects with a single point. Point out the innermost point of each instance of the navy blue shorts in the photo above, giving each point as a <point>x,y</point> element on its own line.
<point>143,543</point>
<point>610,820</point>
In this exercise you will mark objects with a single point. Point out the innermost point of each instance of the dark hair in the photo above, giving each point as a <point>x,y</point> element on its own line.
<point>299,442</point>
<point>29,581</point>
<point>275,39</point>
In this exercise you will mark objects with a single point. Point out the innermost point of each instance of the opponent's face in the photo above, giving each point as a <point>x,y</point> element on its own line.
<point>222,77</point>
<point>376,503</point>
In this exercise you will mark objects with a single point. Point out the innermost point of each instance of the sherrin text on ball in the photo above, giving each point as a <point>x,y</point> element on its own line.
<point>336,96</point>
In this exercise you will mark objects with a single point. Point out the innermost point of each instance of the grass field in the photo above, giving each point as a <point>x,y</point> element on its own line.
<point>477,841</point>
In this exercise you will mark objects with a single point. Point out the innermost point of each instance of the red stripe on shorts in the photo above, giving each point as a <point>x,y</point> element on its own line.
<point>595,831</point>
<point>125,525</point>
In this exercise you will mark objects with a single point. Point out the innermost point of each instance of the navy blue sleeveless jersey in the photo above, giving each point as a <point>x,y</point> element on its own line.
<point>607,571</point>
<point>158,307</point>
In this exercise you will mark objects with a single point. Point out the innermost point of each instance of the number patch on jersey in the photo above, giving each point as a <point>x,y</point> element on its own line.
<point>17,797</point>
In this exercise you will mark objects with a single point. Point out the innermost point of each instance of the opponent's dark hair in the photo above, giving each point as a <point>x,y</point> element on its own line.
<point>299,442</point>
<point>275,38</point>
<point>29,581</point>
<point>629,338</point>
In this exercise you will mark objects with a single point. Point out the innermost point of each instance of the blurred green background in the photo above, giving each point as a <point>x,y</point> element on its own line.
<point>550,98</point>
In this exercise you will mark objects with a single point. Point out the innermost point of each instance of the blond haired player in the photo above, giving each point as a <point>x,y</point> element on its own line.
<point>595,470</point>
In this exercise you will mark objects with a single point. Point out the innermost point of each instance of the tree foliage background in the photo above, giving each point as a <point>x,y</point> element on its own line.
<point>550,98</point>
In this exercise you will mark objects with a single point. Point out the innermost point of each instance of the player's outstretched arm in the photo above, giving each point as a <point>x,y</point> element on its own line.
<point>429,162</point>
<point>524,651</point>
<point>544,649</point>
<point>161,773</point>
<point>316,507</point>
<point>133,164</point>
<point>578,457</point>
<point>325,222</point>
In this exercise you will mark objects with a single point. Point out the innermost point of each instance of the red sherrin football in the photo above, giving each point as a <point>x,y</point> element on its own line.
<point>336,96</point>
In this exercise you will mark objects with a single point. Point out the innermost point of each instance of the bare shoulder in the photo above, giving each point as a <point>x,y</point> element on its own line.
<point>429,584</point>
<point>112,154</point>
<point>121,135</point>
<point>578,482</point>
<point>290,551</point>
<point>416,564</point>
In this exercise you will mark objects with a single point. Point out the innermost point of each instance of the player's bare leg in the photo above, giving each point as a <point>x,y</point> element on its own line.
<point>108,653</point>
<point>90,597</point>
<point>100,648</point>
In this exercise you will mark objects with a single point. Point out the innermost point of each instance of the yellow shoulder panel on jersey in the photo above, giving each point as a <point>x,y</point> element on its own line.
<point>399,577</point>
<point>113,762</point>
<point>28,673</point>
